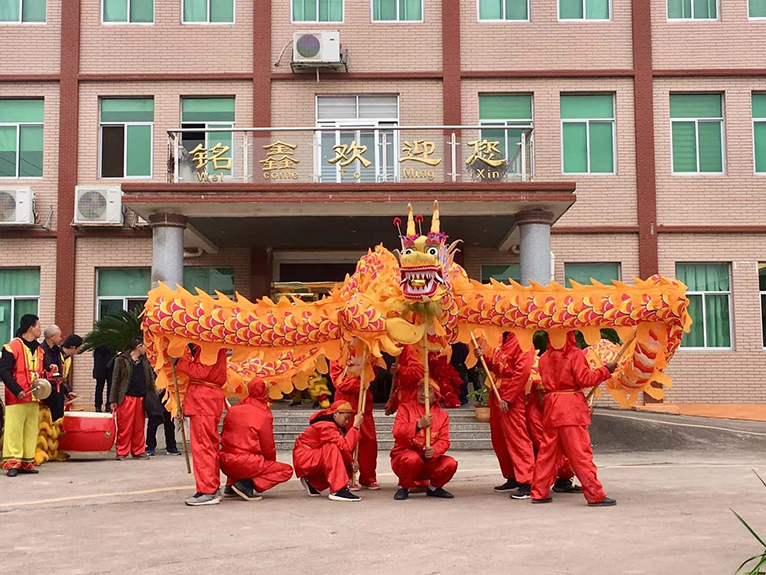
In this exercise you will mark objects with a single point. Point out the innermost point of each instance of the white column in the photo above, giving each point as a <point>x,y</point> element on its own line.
<point>535,246</point>
<point>168,248</point>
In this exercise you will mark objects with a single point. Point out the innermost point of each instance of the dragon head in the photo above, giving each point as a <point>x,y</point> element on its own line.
<point>423,258</point>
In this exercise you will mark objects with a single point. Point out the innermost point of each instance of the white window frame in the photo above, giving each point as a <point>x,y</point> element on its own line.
<point>12,299</point>
<point>584,11</point>
<point>18,126</point>
<point>218,127</point>
<point>693,19</point>
<point>587,122</point>
<point>377,124</point>
<point>704,314</point>
<point>124,301</point>
<point>20,21</point>
<point>697,121</point>
<point>761,295</point>
<point>398,15</point>
<point>101,126</point>
<point>325,22</point>
<point>592,263</point>
<point>208,22</point>
<point>756,121</point>
<point>506,125</point>
<point>503,19</point>
<point>128,21</point>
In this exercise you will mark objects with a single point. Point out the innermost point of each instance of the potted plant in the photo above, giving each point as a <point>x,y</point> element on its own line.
<point>480,398</point>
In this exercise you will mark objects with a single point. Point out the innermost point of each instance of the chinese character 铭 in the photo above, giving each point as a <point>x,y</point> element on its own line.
<point>202,156</point>
<point>485,151</point>
<point>418,151</point>
<point>279,156</point>
<point>342,152</point>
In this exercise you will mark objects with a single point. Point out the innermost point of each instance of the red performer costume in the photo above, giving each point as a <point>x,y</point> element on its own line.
<point>347,389</point>
<point>247,442</point>
<point>409,372</point>
<point>410,459</point>
<point>565,372</point>
<point>508,427</point>
<point>536,429</point>
<point>324,452</point>
<point>204,406</point>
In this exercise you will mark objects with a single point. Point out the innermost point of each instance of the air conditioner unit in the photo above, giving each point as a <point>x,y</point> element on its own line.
<point>17,207</point>
<point>98,206</point>
<point>318,47</point>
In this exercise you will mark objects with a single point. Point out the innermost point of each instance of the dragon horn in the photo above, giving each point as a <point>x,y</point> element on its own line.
<point>410,221</point>
<point>435,219</point>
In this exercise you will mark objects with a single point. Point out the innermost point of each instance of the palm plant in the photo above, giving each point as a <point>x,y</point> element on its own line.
<point>759,559</point>
<point>115,331</point>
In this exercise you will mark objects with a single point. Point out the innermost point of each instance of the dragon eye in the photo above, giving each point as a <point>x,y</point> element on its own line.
<point>433,252</point>
<point>408,251</point>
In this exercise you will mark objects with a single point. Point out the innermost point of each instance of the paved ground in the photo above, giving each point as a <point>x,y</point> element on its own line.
<point>673,517</point>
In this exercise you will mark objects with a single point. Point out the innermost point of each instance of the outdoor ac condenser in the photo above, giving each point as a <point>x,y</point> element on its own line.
<point>320,47</point>
<point>17,206</point>
<point>100,205</point>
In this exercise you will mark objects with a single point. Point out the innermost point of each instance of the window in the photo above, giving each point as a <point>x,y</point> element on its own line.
<point>709,304</point>
<point>126,137</point>
<point>692,9</point>
<point>756,8</point>
<point>19,294</point>
<point>583,273</point>
<point>503,10</point>
<point>209,113</point>
<point>697,132</point>
<point>21,138</point>
<point>318,10</point>
<point>397,10</point>
<point>507,110</point>
<point>210,280</point>
<point>759,132</point>
<point>208,12</point>
<point>22,11</point>
<point>587,133</point>
<point>500,273</point>
<point>128,11</point>
<point>762,289</point>
<point>585,10</point>
<point>377,145</point>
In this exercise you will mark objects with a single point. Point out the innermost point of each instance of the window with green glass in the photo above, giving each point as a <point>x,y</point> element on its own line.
<point>397,10</point>
<point>692,9</point>
<point>128,11</point>
<point>208,11</point>
<point>209,280</point>
<point>21,138</point>
<point>317,10</point>
<point>209,114</point>
<point>22,11</point>
<point>759,132</point>
<point>587,133</point>
<point>512,114</point>
<point>19,295</point>
<point>500,273</point>
<point>756,8</point>
<point>697,132</point>
<point>126,137</point>
<point>709,294</point>
<point>762,290</point>
<point>119,289</point>
<point>503,9</point>
<point>585,9</point>
<point>584,273</point>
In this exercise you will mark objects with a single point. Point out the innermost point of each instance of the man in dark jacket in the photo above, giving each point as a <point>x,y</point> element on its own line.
<point>157,415</point>
<point>102,373</point>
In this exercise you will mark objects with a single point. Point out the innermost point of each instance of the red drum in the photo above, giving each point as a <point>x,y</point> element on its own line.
<point>87,431</point>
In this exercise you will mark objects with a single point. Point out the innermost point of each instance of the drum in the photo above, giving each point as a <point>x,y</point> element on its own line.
<point>87,431</point>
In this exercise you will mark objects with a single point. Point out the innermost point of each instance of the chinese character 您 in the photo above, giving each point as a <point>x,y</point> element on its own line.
<point>202,156</point>
<point>418,151</point>
<point>485,151</point>
<point>342,152</point>
<point>279,156</point>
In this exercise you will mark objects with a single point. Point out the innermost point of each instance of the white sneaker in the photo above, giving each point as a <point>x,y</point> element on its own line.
<point>204,499</point>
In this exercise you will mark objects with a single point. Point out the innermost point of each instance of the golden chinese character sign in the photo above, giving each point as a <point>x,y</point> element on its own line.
<point>216,156</point>
<point>486,160</point>
<point>419,152</point>
<point>280,161</point>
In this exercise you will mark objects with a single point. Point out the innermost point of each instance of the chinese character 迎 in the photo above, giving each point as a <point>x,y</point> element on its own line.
<point>202,156</point>
<point>342,152</point>
<point>418,151</point>
<point>279,156</point>
<point>485,151</point>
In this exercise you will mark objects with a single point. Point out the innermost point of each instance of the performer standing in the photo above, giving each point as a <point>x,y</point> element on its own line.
<point>565,372</point>
<point>411,460</point>
<point>20,364</point>
<point>57,368</point>
<point>248,452</point>
<point>324,452</point>
<point>508,418</point>
<point>204,406</point>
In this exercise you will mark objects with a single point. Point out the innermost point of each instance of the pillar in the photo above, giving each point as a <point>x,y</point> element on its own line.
<point>535,246</point>
<point>168,248</point>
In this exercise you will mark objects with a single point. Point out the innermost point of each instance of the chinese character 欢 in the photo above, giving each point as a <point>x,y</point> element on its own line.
<point>342,152</point>
<point>418,151</point>
<point>279,156</point>
<point>202,156</point>
<point>485,151</point>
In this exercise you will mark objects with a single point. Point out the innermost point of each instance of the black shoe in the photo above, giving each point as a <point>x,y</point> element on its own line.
<point>13,472</point>
<point>605,502</point>
<point>544,500</point>
<point>310,488</point>
<point>150,452</point>
<point>509,485</point>
<point>245,491</point>
<point>523,492</point>
<point>28,471</point>
<point>402,494</point>
<point>344,495</point>
<point>566,486</point>
<point>440,493</point>
<point>228,492</point>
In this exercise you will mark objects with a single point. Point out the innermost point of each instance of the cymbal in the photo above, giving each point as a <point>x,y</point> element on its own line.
<point>41,388</point>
